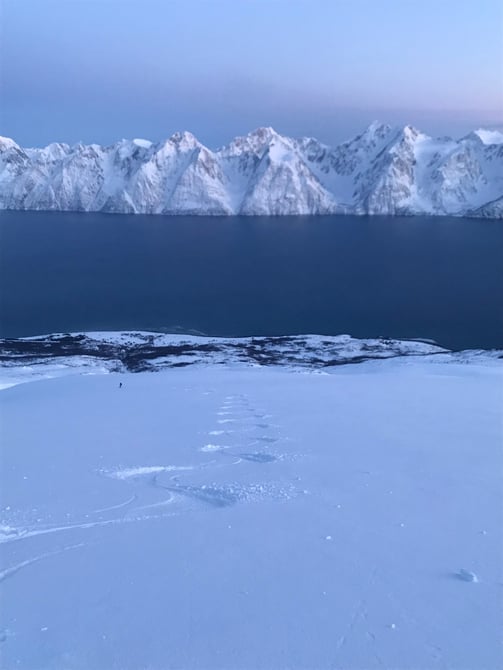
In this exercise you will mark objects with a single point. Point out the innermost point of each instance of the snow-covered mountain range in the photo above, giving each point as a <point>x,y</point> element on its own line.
<point>384,170</point>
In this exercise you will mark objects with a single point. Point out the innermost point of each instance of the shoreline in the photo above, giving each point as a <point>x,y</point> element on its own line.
<point>224,216</point>
<point>61,354</point>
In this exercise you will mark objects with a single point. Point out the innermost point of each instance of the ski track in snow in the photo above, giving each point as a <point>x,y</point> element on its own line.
<point>113,507</point>
<point>17,534</point>
<point>14,569</point>
<point>359,612</point>
<point>243,416</point>
<point>215,477</point>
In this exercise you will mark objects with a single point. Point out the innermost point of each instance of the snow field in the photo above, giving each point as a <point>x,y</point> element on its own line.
<point>350,520</point>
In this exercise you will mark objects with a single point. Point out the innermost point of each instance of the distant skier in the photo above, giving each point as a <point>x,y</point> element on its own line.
<point>120,385</point>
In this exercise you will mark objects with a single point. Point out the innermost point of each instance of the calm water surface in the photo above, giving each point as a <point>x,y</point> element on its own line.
<point>424,277</point>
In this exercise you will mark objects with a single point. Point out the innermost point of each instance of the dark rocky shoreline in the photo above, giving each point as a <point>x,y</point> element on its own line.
<point>144,351</point>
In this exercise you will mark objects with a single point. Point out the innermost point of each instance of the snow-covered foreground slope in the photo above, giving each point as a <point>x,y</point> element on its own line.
<point>253,516</point>
<point>384,170</point>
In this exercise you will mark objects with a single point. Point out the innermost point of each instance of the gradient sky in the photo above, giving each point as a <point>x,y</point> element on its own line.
<point>100,70</point>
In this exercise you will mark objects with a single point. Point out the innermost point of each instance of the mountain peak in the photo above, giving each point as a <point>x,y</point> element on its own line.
<point>54,151</point>
<point>385,170</point>
<point>257,141</point>
<point>185,140</point>
<point>372,135</point>
<point>6,143</point>
<point>376,126</point>
<point>264,132</point>
<point>144,144</point>
<point>377,129</point>
<point>410,133</point>
<point>487,136</point>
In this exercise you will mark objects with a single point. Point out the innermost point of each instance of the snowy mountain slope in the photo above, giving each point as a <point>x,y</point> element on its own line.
<point>492,210</point>
<point>283,184</point>
<point>281,515</point>
<point>384,170</point>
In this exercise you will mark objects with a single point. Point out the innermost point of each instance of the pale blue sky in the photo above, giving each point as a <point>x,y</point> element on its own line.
<point>99,70</point>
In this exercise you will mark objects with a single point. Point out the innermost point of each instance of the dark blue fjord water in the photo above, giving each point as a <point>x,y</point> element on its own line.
<point>422,277</point>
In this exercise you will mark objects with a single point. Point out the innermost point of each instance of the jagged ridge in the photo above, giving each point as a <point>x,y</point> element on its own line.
<point>384,170</point>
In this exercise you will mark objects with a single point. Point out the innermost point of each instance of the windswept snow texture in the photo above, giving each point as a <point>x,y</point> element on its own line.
<point>384,170</point>
<point>345,516</point>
